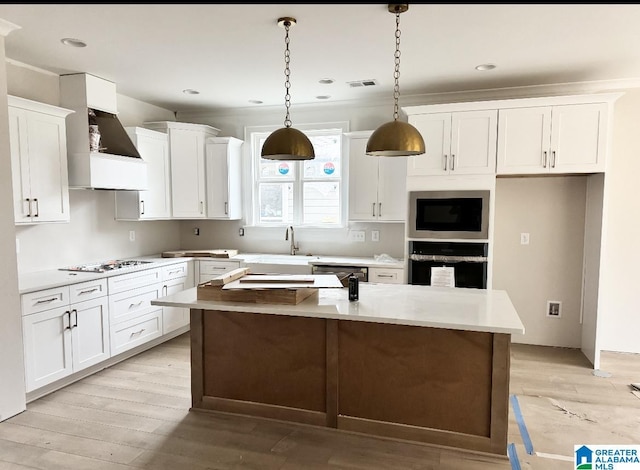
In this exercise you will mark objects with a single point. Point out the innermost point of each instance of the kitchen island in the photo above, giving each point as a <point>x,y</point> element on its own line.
<point>411,362</point>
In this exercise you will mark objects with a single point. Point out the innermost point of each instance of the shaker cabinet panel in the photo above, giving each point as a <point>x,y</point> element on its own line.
<point>224,178</point>
<point>154,203</point>
<point>37,136</point>
<point>458,143</point>
<point>376,184</point>
<point>552,139</point>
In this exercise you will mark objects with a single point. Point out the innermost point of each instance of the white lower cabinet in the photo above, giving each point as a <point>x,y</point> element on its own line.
<point>210,269</point>
<point>386,275</point>
<point>176,278</point>
<point>133,319</point>
<point>62,339</point>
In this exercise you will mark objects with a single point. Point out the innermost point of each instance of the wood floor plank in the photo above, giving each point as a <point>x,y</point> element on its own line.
<point>137,385</point>
<point>135,396</point>
<point>108,418</point>
<point>77,445</point>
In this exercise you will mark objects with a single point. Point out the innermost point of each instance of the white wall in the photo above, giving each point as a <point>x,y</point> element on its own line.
<point>552,211</point>
<point>93,234</point>
<point>12,385</point>
<point>619,304</point>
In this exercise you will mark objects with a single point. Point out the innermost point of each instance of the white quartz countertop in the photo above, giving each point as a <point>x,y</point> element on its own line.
<point>402,304</point>
<point>48,279</point>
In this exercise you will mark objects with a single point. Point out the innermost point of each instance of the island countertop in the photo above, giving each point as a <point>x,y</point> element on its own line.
<point>437,307</point>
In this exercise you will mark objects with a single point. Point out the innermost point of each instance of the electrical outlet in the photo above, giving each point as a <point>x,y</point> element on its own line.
<point>196,231</point>
<point>524,238</point>
<point>132,235</point>
<point>375,236</point>
<point>357,235</point>
<point>241,232</point>
<point>554,308</point>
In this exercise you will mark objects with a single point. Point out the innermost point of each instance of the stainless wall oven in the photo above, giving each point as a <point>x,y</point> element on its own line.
<point>468,261</point>
<point>449,214</point>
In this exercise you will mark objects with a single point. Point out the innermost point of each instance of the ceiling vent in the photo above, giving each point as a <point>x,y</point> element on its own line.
<point>362,83</point>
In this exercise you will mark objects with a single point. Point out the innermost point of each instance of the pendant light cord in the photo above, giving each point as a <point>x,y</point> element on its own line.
<point>287,74</point>
<point>396,73</point>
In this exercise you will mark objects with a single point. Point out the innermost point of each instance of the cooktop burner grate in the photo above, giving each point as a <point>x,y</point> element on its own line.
<point>105,266</point>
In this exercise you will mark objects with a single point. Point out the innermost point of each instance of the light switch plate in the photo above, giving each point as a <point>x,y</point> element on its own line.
<point>356,235</point>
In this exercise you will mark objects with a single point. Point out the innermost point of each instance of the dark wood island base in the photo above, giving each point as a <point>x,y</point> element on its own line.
<point>433,385</point>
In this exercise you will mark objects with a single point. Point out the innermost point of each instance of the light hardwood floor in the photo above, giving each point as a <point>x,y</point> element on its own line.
<point>135,415</point>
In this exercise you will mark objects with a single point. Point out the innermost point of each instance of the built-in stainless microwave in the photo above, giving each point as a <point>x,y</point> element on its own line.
<point>449,214</point>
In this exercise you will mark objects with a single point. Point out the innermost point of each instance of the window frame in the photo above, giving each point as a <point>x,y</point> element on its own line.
<point>255,133</point>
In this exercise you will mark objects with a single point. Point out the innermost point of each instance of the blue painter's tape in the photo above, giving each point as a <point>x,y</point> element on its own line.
<point>526,440</point>
<point>513,457</point>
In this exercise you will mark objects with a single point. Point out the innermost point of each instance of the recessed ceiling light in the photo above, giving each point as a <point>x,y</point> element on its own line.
<point>484,67</point>
<point>323,97</point>
<point>256,101</point>
<point>189,91</point>
<point>326,81</point>
<point>73,42</point>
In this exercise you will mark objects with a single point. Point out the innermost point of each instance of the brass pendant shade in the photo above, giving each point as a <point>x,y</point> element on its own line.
<point>288,143</point>
<point>395,139</point>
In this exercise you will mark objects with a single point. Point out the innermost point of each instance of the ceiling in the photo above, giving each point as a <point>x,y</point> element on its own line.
<point>233,54</point>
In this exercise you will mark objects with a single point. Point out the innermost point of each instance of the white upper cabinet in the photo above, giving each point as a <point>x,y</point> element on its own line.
<point>376,184</point>
<point>38,143</point>
<point>155,203</point>
<point>457,143</point>
<point>552,139</point>
<point>187,157</point>
<point>224,178</point>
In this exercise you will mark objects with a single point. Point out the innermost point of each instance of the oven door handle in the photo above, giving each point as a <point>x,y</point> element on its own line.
<point>448,259</point>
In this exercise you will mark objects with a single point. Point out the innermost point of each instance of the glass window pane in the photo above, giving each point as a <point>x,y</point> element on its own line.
<point>275,168</point>
<point>321,203</point>
<point>276,202</point>
<point>327,163</point>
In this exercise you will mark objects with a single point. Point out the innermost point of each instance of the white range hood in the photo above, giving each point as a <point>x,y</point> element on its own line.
<point>118,165</point>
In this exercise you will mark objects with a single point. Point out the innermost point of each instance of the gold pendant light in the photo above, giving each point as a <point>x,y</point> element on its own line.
<point>396,138</point>
<point>287,143</point>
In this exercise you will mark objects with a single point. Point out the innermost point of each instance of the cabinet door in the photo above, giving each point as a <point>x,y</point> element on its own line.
<point>524,139</point>
<point>39,167</point>
<point>47,347</point>
<point>187,173</point>
<point>473,142</point>
<point>154,203</point>
<point>578,134</point>
<point>89,332</point>
<point>47,148</point>
<point>392,184</point>
<point>224,193</point>
<point>436,132</point>
<point>20,165</point>
<point>174,317</point>
<point>363,181</point>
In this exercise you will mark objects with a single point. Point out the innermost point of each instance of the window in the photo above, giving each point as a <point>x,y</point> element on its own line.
<point>301,193</point>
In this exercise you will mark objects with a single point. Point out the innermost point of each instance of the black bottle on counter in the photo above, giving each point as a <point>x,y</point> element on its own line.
<point>353,287</point>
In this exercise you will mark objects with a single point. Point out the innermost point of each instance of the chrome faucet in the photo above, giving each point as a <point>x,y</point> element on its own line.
<point>294,248</point>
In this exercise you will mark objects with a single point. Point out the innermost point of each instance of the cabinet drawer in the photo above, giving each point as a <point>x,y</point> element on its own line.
<point>130,334</point>
<point>42,300</point>
<point>175,270</point>
<point>218,267</point>
<point>386,275</point>
<point>87,290</point>
<point>133,280</point>
<point>132,303</point>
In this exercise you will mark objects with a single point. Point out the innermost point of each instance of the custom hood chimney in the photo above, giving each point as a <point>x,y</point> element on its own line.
<point>101,154</point>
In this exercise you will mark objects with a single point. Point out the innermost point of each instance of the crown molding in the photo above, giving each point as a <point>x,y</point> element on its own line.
<point>17,63</point>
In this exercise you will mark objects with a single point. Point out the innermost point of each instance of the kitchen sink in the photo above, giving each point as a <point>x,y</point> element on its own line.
<point>280,264</point>
<point>284,259</point>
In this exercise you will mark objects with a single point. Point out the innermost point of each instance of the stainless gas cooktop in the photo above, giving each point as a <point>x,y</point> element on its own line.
<point>106,266</point>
